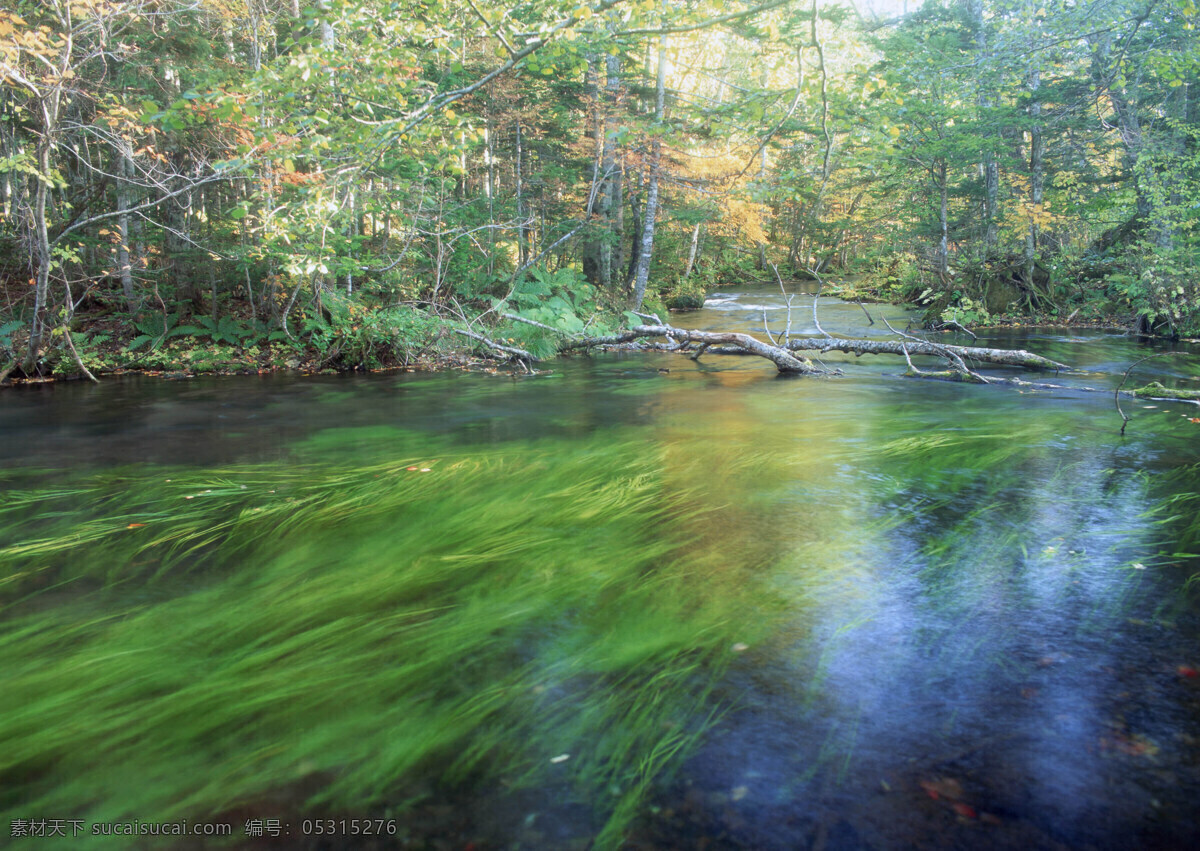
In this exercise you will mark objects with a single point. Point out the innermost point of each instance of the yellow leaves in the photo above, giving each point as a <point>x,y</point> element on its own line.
<point>9,23</point>
<point>712,167</point>
<point>743,218</point>
<point>894,132</point>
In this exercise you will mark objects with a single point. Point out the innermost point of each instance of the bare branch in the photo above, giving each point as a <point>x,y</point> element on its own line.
<point>710,22</point>
<point>518,354</point>
<point>1124,378</point>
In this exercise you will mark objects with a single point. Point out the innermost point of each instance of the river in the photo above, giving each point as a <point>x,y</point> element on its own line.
<point>633,601</point>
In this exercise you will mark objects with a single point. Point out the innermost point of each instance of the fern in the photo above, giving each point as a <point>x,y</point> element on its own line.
<point>6,332</point>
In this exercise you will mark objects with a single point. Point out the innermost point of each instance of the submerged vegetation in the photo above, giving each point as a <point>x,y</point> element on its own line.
<point>210,641</point>
<point>355,183</point>
<point>391,618</point>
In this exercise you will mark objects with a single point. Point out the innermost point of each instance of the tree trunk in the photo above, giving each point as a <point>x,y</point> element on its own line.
<point>618,186</point>
<point>608,163</point>
<point>635,246</point>
<point>591,244</point>
<point>989,168</point>
<point>522,215</point>
<point>943,250</point>
<point>1037,149</point>
<point>489,190</point>
<point>328,36</point>
<point>42,252</point>
<point>784,361</point>
<point>647,246</point>
<point>691,261</point>
<point>744,343</point>
<point>124,173</point>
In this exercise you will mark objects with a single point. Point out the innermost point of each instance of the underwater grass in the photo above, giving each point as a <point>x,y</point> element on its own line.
<point>350,630</point>
<point>350,634</point>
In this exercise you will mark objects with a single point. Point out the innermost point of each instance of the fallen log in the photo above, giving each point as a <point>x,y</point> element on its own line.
<point>736,343</point>
<point>1007,357</point>
<point>784,361</point>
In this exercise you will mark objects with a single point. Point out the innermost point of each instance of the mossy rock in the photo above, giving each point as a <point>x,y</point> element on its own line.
<point>1154,390</point>
<point>686,301</point>
<point>1000,296</point>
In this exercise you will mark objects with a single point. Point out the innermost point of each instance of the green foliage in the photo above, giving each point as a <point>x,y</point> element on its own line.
<point>687,295</point>
<point>155,329</point>
<point>405,191</point>
<point>7,330</point>
<point>561,304</point>
<point>225,330</point>
<point>90,348</point>
<point>348,333</point>
<point>1161,288</point>
<point>967,311</point>
<point>898,278</point>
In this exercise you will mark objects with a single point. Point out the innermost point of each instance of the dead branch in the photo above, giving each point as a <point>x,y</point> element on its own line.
<point>784,361</point>
<point>1124,378</point>
<point>512,351</point>
<point>1006,357</point>
<point>953,357</point>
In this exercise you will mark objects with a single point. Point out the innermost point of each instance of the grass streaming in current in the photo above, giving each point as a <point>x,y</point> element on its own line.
<point>389,618</point>
<point>205,640</point>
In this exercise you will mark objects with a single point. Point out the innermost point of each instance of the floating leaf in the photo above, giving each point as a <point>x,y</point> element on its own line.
<point>943,787</point>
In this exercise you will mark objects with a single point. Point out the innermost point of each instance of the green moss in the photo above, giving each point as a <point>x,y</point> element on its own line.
<point>1158,391</point>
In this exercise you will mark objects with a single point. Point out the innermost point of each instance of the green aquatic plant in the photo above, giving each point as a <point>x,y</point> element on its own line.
<point>209,642</point>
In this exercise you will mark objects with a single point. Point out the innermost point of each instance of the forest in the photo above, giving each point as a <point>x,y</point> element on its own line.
<point>209,185</point>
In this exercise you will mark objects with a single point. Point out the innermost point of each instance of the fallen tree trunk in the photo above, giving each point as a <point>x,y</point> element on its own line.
<point>734,343</point>
<point>1008,357</point>
<point>784,361</point>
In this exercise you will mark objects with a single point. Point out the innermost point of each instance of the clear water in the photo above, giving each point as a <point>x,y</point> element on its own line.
<point>750,611</point>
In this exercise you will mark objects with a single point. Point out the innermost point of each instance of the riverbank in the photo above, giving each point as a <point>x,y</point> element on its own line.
<point>240,344</point>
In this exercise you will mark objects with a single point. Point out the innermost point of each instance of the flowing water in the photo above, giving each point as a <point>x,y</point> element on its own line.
<point>636,602</point>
